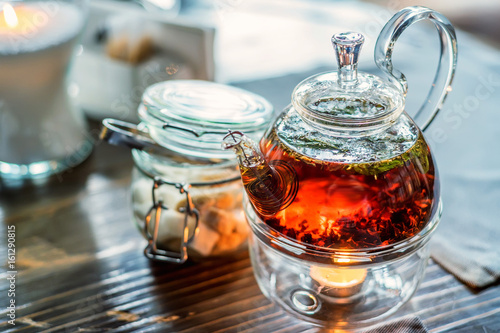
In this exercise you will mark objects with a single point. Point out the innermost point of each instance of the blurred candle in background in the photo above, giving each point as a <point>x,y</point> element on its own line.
<point>41,131</point>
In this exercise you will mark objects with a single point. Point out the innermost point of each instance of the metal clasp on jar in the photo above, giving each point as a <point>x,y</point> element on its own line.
<point>152,251</point>
<point>152,220</point>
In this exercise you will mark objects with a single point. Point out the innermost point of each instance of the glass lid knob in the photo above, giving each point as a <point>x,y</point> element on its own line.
<point>347,46</point>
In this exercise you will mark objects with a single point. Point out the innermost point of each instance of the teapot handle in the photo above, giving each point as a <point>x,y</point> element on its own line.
<point>447,62</point>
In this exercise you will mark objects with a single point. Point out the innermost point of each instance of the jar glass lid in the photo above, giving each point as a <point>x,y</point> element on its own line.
<point>191,116</point>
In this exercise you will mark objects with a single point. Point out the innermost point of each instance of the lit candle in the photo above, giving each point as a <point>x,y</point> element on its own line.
<point>11,29</point>
<point>10,21</point>
<point>36,25</point>
<point>338,282</point>
<point>38,121</point>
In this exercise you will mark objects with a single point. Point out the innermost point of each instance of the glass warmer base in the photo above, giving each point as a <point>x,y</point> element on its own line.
<point>289,283</point>
<point>326,288</point>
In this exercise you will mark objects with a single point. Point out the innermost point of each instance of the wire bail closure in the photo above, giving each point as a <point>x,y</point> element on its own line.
<point>152,251</point>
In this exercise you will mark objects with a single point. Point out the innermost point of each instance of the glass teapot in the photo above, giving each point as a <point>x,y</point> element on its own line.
<point>343,185</point>
<point>345,153</point>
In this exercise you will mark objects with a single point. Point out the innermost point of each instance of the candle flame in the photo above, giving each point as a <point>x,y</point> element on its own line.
<point>10,15</point>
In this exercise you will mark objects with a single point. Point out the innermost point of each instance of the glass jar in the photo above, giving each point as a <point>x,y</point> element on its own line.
<point>187,192</point>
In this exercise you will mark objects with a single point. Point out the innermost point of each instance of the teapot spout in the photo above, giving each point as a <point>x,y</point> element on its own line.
<point>270,186</point>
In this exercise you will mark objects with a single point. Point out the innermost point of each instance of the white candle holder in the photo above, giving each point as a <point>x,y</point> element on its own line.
<point>42,132</point>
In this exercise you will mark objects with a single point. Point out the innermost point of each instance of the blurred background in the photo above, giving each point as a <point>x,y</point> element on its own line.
<point>481,17</point>
<point>129,45</point>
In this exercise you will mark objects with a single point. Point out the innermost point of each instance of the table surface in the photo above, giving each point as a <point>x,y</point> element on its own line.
<point>80,266</point>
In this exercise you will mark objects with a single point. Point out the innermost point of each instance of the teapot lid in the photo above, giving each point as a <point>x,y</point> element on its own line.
<point>347,101</point>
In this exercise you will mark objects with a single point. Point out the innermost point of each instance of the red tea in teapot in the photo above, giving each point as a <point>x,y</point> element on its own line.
<point>357,205</point>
